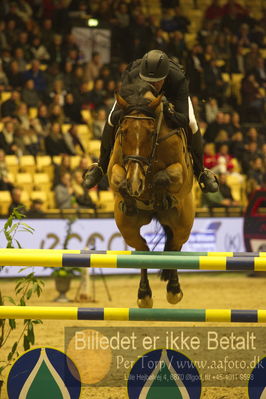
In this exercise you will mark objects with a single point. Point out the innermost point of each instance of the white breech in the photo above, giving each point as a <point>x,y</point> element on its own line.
<point>192,119</point>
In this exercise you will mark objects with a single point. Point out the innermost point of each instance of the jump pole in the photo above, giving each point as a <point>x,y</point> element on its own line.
<point>164,253</point>
<point>57,259</point>
<point>132,314</point>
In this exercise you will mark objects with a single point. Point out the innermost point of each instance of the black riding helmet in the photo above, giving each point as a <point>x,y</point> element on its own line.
<point>154,66</point>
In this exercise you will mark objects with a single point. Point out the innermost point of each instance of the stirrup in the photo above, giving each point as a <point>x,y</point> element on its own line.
<point>208,181</point>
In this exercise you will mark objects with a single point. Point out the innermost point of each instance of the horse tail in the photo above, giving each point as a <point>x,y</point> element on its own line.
<point>168,234</point>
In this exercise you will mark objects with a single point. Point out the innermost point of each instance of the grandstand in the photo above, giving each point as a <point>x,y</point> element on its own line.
<point>53,98</point>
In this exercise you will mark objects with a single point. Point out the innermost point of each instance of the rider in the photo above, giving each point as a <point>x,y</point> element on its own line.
<point>167,76</point>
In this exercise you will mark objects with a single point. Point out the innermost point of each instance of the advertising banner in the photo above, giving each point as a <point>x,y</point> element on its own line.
<point>216,234</point>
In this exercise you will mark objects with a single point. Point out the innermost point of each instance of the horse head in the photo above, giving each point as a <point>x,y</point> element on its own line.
<point>138,134</point>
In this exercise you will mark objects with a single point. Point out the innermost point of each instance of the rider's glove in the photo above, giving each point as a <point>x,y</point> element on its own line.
<point>169,114</point>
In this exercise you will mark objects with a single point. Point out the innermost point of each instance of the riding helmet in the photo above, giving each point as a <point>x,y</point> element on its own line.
<point>154,66</point>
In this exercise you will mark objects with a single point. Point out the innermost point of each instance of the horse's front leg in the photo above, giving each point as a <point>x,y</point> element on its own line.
<point>129,227</point>
<point>163,182</point>
<point>118,184</point>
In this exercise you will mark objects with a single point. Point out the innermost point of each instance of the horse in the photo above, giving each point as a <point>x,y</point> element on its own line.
<point>151,175</point>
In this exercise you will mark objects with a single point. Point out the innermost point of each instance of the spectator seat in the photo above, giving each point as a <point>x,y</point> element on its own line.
<point>24,180</point>
<point>42,181</point>
<point>5,201</point>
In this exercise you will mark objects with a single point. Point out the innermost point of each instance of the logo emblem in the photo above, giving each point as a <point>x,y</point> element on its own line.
<point>257,381</point>
<point>164,373</point>
<point>43,370</point>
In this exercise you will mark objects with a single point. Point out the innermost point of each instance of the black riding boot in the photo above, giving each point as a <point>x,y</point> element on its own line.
<point>207,180</point>
<point>97,170</point>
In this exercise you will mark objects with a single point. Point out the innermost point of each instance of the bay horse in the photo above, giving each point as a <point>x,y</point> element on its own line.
<point>151,175</point>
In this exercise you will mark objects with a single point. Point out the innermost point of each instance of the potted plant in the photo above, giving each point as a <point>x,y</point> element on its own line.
<point>63,277</point>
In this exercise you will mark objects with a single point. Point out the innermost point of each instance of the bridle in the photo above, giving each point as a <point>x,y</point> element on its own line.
<point>146,161</point>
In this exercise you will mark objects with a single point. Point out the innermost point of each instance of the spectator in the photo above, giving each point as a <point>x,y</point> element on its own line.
<point>250,152</point>
<point>211,110</point>
<point>235,122</point>
<point>37,75</point>
<point>214,84</point>
<point>26,141</point>
<point>222,49</point>
<point>224,159</point>
<point>56,49</point>
<point>84,164</point>
<point>260,72</point>
<point>252,99</point>
<point>93,67</point>
<point>195,69</point>
<point>47,32</point>
<point>55,143</point>
<point>244,36</point>
<point>237,59</point>
<point>29,94</point>
<point>214,127</point>
<point>22,116</point>
<point>233,15</point>
<point>60,169</point>
<point>214,12</point>
<point>59,91</point>
<point>216,200</point>
<point>81,194</point>
<point>73,140</point>
<point>225,190</point>
<point>11,32</point>
<point>5,183</point>
<point>121,30</point>
<point>256,177</point>
<point>3,78</point>
<point>72,109</point>
<point>252,57</point>
<point>98,123</point>
<point>56,112</point>
<point>223,198</point>
<point>110,89</point>
<point>237,145</point>
<point>160,40</point>
<point>39,51</point>
<point>64,193</point>
<point>23,43</point>
<point>209,156</point>
<point>16,194</point>
<point>253,135</point>
<point>67,78</point>
<point>7,138</point>
<point>3,40</point>
<point>180,20</point>
<point>15,77</point>
<point>177,46</point>
<point>43,120</point>
<point>142,36</point>
<point>36,209</point>
<point>20,59</point>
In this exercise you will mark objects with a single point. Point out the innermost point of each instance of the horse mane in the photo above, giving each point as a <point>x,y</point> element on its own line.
<point>134,94</point>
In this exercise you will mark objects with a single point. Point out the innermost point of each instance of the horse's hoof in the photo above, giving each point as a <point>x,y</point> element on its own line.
<point>146,302</point>
<point>174,298</point>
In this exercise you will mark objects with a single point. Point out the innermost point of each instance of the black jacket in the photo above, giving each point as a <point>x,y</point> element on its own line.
<point>175,88</point>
